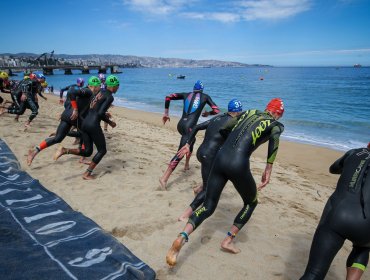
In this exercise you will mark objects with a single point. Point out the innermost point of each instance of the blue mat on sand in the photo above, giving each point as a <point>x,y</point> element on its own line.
<point>41,237</point>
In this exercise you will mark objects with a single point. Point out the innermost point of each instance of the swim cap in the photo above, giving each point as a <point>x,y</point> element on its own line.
<point>276,106</point>
<point>4,75</point>
<point>234,106</point>
<point>112,81</point>
<point>80,81</point>
<point>33,76</point>
<point>94,81</point>
<point>368,145</point>
<point>198,86</point>
<point>40,76</point>
<point>101,77</point>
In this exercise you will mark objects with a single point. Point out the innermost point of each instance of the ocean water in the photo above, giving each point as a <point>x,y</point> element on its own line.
<point>324,106</point>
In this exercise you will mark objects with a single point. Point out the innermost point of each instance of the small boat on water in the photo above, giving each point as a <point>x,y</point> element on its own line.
<point>181,77</point>
<point>357,65</point>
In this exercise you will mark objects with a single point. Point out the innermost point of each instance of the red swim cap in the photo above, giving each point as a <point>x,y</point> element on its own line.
<point>276,106</point>
<point>368,145</point>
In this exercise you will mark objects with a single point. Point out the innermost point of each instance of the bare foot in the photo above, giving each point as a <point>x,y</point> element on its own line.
<point>228,246</point>
<point>27,125</point>
<point>163,184</point>
<point>84,161</point>
<point>187,167</point>
<point>88,176</point>
<point>198,189</point>
<point>31,156</point>
<point>172,254</point>
<point>61,151</point>
<point>185,216</point>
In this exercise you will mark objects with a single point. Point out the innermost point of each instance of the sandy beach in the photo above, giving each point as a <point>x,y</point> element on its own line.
<point>126,201</point>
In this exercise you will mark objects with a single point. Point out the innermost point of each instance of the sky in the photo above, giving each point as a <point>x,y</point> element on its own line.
<point>272,32</point>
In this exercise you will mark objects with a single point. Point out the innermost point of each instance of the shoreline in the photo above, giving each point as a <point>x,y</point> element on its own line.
<point>125,201</point>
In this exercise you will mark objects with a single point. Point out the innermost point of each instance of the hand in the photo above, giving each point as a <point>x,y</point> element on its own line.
<point>23,97</point>
<point>265,176</point>
<point>165,118</point>
<point>45,98</point>
<point>74,114</point>
<point>205,114</point>
<point>108,115</point>
<point>112,124</point>
<point>61,101</point>
<point>185,150</point>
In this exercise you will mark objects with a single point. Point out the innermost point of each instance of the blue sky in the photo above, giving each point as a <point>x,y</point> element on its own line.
<point>274,32</point>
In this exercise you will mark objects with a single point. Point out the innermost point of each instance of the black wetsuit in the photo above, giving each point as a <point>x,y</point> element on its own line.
<point>207,151</point>
<point>30,88</point>
<point>91,129</point>
<point>82,98</point>
<point>194,103</point>
<point>232,163</point>
<point>69,89</point>
<point>345,216</point>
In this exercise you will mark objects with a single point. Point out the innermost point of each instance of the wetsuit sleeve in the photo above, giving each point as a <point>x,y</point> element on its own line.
<point>274,141</point>
<point>194,131</point>
<point>73,93</point>
<point>63,90</point>
<point>215,109</point>
<point>173,96</point>
<point>337,166</point>
<point>104,108</point>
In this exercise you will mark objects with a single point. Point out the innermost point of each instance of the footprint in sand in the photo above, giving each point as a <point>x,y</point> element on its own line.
<point>205,239</point>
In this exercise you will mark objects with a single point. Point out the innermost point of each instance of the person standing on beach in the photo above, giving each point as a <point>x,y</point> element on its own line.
<point>346,216</point>
<point>207,151</point>
<point>194,103</point>
<point>251,129</point>
<point>79,84</point>
<point>76,109</point>
<point>91,130</point>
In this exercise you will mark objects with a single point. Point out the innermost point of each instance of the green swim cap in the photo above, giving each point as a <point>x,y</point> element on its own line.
<point>112,81</point>
<point>94,81</point>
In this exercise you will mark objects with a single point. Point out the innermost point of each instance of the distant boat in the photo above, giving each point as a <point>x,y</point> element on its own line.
<point>357,65</point>
<point>181,77</point>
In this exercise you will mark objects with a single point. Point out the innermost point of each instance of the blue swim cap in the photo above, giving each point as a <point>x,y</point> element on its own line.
<point>198,86</point>
<point>234,106</point>
<point>40,76</point>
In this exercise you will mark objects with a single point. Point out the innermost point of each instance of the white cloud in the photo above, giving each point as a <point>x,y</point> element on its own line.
<point>222,17</point>
<point>272,9</point>
<point>227,11</point>
<point>157,7</point>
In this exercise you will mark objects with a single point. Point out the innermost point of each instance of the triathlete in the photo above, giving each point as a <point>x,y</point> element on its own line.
<point>345,216</point>
<point>103,86</point>
<point>30,89</point>
<point>194,103</point>
<point>3,84</point>
<point>79,84</point>
<point>252,129</point>
<point>207,151</point>
<point>73,115</point>
<point>91,129</point>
